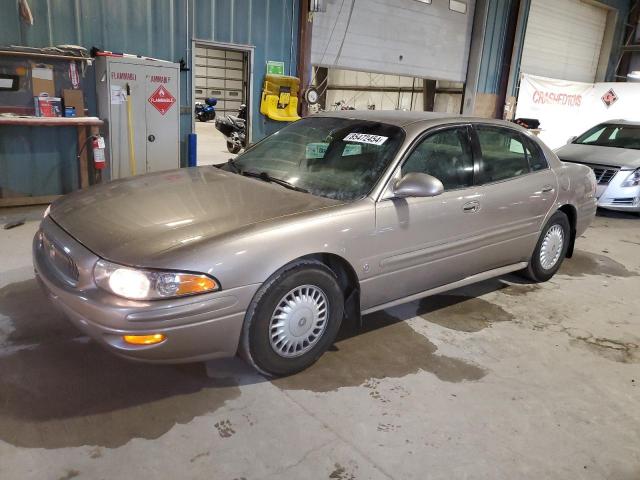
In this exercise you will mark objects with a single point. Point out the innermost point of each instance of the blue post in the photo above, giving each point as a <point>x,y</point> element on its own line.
<point>192,150</point>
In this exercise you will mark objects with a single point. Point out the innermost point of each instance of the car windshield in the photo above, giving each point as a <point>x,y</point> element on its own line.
<point>612,135</point>
<point>337,158</point>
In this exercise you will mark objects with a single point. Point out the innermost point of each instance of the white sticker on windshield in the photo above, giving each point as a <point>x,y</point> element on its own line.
<point>365,138</point>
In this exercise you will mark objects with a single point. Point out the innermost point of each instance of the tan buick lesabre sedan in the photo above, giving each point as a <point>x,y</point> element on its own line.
<point>336,215</point>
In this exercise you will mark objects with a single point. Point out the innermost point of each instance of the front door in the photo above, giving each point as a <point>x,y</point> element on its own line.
<point>427,242</point>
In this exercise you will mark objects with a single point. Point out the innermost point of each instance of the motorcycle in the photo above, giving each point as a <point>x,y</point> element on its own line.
<point>234,129</point>
<point>206,111</point>
<point>342,105</point>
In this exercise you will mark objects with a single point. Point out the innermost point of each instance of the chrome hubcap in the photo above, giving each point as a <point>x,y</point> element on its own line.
<point>551,247</point>
<point>298,321</point>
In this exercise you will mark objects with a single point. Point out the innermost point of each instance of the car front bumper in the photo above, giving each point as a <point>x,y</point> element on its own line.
<point>613,196</point>
<point>196,328</point>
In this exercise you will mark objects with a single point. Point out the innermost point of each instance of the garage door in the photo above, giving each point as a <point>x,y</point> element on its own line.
<point>423,39</point>
<point>221,74</point>
<point>563,39</point>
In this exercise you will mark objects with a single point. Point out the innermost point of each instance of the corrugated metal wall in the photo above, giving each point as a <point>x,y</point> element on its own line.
<point>270,25</point>
<point>498,12</point>
<point>155,28</point>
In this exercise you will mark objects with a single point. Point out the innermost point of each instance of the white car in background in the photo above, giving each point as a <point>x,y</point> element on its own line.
<point>612,150</point>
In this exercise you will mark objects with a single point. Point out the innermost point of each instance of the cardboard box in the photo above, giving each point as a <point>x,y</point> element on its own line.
<point>74,98</point>
<point>42,80</point>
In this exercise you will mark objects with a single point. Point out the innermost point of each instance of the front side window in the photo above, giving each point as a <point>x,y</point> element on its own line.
<point>612,135</point>
<point>338,158</point>
<point>504,154</point>
<point>445,155</point>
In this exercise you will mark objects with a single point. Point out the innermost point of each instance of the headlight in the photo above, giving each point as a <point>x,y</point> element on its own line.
<point>46,212</point>
<point>632,180</point>
<point>141,284</point>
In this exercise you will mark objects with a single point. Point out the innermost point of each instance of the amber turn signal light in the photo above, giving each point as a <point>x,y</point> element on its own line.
<point>144,339</point>
<point>190,284</point>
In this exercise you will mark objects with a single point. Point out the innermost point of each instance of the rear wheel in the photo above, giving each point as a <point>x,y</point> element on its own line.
<point>293,319</point>
<point>551,248</point>
<point>233,147</point>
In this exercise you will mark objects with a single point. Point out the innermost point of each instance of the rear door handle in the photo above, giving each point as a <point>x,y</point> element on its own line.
<point>471,207</point>
<point>547,189</point>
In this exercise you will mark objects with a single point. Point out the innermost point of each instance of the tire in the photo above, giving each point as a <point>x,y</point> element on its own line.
<point>200,118</point>
<point>233,148</point>
<point>543,266</point>
<point>260,344</point>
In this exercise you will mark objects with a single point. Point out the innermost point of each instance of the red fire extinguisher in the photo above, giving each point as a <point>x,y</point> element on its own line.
<point>97,145</point>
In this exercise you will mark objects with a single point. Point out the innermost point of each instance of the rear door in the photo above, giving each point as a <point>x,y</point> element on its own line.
<point>517,188</point>
<point>427,242</point>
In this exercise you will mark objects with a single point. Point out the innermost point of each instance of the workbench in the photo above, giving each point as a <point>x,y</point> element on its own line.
<point>93,124</point>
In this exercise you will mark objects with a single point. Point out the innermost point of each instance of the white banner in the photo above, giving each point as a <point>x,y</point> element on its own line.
<point>566,108</point>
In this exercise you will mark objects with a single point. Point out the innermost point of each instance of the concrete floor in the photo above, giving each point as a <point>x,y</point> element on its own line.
<point>503,380</point>
<point>212,146</point>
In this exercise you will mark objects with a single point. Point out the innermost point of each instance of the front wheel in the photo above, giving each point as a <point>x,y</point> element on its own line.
<point>293,319</point>
<point>551,248</point>
<point>233,147</point>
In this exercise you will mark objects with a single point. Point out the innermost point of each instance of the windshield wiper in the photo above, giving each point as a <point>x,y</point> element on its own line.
<point>230,165</point>
<point>233,166</point>
<point>268,178</point>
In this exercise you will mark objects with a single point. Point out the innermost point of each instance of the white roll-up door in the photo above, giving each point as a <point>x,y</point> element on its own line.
<point>221,74</point>
<point>563,39</point>
<point>424,39</point>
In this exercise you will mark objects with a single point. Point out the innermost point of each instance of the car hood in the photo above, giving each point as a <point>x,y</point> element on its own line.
<point>140,219</point>
<point>593,154</point>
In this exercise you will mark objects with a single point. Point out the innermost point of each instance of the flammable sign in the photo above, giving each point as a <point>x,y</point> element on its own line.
<point>162,99</point>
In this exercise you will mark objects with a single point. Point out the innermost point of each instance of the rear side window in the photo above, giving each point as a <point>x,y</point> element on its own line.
<point>504,154</point>
<point>537,160</point>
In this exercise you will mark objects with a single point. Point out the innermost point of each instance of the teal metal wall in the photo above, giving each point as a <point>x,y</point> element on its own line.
<point>270,25</point>
<point>493,54</point>
<point>155,28</point>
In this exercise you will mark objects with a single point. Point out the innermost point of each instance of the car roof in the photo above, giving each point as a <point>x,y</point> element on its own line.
<point>401,118</point>
<point>621,122</point>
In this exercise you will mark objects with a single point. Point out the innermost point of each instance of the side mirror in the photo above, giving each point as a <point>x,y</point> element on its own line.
<point>418,185</point>
<point>571,139</point>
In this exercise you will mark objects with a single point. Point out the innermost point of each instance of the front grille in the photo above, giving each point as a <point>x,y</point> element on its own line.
<point>623,201</point>
<point>604,174</point>
<point>59,259</point>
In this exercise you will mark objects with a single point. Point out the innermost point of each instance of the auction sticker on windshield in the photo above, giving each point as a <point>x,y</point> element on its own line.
<point>365,138</point>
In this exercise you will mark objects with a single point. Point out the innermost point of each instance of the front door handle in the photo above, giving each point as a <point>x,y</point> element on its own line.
<point>547,189</point>
<point>471,207</point>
